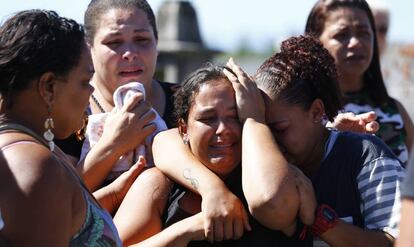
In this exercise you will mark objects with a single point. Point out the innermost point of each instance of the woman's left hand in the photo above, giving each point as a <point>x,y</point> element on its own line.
<point>307,197</point>
<point>111,195</point>
<point>361,123</point>
<point>224,216</point>
<point>250,103</point>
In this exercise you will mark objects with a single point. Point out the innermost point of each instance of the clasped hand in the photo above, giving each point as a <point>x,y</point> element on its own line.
<point>127,128</point>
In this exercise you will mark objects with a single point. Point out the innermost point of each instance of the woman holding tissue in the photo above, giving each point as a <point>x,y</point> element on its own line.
<point>348,184</point>
<point>122,36</point>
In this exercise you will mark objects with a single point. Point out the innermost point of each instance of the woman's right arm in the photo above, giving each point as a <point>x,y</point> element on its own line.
<point>139,215</point>
<point>268,183</point>
<point>222,209</point>
<point>408,125</point>
<point>111,195</point>
<point>124,130</point>
<point>406,237</point>
<point>175,159</point>
<point>178,234</point>
<point>138,219</point>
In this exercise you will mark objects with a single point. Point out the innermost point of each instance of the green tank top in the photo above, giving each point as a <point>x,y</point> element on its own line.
<point>392,130</point>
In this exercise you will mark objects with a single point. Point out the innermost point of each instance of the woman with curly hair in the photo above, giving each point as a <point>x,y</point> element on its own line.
<point>356,178</point>
<point>347,29</point>
<point>210,127</point>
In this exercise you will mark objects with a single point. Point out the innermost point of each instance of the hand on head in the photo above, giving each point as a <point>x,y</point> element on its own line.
<point>249,100</point>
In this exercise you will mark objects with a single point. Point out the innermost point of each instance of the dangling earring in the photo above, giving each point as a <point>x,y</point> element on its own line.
<point>80,134</point>
<point>48,134</point>
<point>185,139</point>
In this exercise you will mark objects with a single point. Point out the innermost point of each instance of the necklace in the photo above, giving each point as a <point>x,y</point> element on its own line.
<point>97,103</point>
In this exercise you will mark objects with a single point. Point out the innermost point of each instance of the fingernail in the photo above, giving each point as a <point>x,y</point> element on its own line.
<point>141,160</point>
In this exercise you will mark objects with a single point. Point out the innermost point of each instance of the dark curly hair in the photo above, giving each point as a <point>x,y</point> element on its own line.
<point>300,73</point>
<point>373,81</point>
<point>97,8</point>
<point>34,42</point>
<point>184,96</point>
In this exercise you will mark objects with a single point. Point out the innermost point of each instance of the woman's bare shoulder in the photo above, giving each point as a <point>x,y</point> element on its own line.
<point>30,165</point>
<point>39,197</point>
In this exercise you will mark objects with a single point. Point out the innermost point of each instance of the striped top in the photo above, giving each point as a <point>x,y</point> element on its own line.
<point>360,178</point>
<point>379,183</point>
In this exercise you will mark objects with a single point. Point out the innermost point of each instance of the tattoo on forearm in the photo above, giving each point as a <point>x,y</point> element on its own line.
<point>187,175</point>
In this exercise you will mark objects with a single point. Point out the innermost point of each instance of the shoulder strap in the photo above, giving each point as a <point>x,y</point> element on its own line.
<point>23,129</point>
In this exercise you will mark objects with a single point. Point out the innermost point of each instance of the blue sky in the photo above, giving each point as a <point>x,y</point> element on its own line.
<point>224,23</point>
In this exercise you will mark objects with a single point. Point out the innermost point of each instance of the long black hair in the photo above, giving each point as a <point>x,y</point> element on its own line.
<point>185,95</point>
<point>373,81</point>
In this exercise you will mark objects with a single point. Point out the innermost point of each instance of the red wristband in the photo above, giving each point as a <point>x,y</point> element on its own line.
<point>326,218</point>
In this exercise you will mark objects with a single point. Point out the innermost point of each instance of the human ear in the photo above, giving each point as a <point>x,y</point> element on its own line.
<point>47,87</point>
<point>317,110</point>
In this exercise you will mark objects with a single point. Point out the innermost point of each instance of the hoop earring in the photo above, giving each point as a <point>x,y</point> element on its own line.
<point>185,139</point>
<point>48,134</point>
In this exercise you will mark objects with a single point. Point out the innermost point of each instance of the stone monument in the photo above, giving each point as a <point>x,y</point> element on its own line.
<point>180,46</point>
